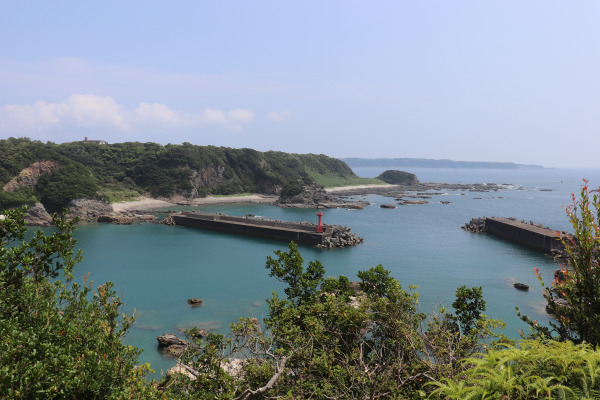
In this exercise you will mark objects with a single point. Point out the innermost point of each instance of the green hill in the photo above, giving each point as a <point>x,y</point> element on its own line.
<point>57,173</point>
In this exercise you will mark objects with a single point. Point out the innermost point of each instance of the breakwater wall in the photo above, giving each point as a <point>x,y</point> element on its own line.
<point>287,231</point>
<point>535,237</point>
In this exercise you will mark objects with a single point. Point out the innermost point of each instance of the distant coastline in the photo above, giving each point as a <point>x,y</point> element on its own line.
<point>431,163</point>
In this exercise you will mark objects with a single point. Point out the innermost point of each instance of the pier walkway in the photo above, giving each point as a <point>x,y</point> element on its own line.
<point>287,231</point>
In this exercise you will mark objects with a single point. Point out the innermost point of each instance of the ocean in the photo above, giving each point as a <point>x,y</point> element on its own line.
<point>156,268</point>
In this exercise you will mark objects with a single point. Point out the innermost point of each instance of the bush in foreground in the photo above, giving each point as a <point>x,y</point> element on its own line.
<point>59,339</point>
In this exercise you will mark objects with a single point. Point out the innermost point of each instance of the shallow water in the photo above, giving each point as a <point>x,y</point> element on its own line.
<point>157,268</point>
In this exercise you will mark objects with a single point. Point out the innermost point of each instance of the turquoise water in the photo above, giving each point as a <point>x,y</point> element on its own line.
<point>157,268</point>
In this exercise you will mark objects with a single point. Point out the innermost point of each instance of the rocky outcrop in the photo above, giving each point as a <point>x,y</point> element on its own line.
<point>116,219</point>
<point>403,202</point>
<point>88,210</point>
<point>387,206</point>
<point>29,176</point>
<point>171,345</point>
<point>314,196</point>
<point>303,196</point>
<point>205,177</point>
<point>38,216</point>
<point>521,286</point>
<point>476,225</point>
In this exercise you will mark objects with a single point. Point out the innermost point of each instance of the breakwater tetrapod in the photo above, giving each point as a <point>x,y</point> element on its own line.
<point>326,236</point>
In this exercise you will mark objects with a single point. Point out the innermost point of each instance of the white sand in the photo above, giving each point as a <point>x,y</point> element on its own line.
<point>145,203</point>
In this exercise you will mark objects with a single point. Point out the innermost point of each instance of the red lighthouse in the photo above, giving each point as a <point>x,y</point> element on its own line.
<point>319,227</point>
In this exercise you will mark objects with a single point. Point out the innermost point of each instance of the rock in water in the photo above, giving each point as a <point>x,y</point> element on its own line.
<point>194,302</point>
<point>521,286</point>
<point>171,345</point>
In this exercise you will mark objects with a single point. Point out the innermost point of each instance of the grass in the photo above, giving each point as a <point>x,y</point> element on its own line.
<point>334,180</point>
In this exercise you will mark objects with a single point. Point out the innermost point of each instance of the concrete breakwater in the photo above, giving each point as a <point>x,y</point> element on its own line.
<point>531,235</point>
<point>299,232</point>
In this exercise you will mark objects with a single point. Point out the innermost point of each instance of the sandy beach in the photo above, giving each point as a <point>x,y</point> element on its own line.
<point>146,203</point>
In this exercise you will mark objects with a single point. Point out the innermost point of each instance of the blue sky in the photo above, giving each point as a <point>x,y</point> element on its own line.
<point>466,80</point>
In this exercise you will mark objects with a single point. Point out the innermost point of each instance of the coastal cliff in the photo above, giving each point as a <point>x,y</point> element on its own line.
<point>54,175</point>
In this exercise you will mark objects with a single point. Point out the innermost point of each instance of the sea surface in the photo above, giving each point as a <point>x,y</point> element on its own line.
<point>156,268</point>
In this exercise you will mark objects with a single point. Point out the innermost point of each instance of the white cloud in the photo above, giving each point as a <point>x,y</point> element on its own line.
<point>92,111</point>
<point>241,115</point>
<point>211,116</point>
<point>279,116</point>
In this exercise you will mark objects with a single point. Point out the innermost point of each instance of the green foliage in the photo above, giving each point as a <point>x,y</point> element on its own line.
<point>301,285</point>
<point>469,305</point>
<point>396,177</point>
<point>60,339</point>
<point>579,319</point>
<point>332,179</point>
<point>290,189</point>
<point>22,196</point>
<point>72,181</point>
<point>164,171</point>
<point>529,370</point>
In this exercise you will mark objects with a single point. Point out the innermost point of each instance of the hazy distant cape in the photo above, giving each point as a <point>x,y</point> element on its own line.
<point>429,163</point>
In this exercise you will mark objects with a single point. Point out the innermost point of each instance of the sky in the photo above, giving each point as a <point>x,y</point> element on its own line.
<point>510,80</point>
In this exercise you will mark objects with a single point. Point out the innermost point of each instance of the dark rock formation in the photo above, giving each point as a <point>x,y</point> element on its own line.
<point>116,219</point>
<point>403,202</point>
<point>171,345</point>
<point>387,206</point>
<point>521,286</point>
<point>38,216</point>
<point>302,195</point>
<point>88,210</point>
<point>194,302</point>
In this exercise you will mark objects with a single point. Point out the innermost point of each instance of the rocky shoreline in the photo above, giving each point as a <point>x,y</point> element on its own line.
<point>313,196</point>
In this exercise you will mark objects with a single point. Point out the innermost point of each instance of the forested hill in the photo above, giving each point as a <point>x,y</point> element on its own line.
<point>430,163</point>
<point>57,173</point>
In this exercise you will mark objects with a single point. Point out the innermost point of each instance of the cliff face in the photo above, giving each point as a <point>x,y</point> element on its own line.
<point>29,176</point>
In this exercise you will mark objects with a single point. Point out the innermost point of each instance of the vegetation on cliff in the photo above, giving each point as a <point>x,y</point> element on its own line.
<point>121,170</point>
<point>396,177</point>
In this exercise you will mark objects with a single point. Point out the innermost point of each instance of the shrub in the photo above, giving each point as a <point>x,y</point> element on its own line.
<point>60,339</point>
<point>578,318</point>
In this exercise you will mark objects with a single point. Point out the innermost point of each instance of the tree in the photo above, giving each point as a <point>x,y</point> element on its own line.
<point>59,338</point>
<point>327,339</point>
<point>575,301</point>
